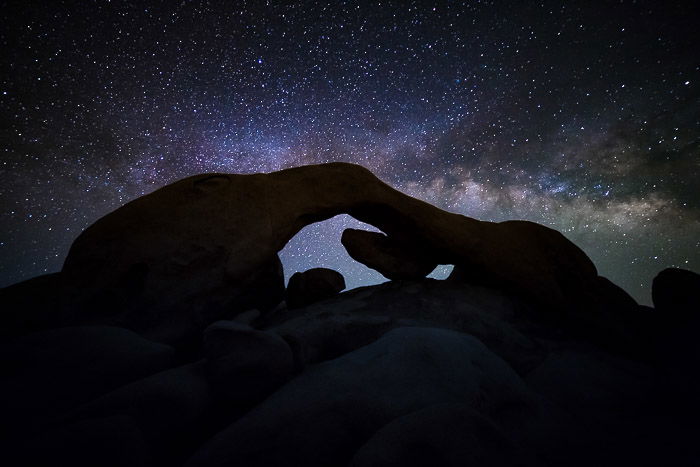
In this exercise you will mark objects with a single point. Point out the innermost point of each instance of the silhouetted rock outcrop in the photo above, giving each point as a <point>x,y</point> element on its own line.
<point>313,285</point>
<point>154,264</point>
<point>676,296</point>
<point>524,356</point>
<point>329,329</point>
<point>676,291</point>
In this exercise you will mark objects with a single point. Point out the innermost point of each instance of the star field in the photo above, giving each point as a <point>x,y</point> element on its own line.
<point>583,116</point>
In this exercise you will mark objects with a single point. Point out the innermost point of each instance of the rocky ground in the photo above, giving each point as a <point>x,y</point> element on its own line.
<point>190,351</point>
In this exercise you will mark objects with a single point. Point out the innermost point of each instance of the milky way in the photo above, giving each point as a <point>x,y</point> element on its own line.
<point>583,116</point>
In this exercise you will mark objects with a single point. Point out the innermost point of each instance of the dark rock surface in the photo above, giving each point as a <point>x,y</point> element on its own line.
<point>377,251</point>
<point>30,306</point>
<point>45,374</point>
<point>676,296</point>
<point>245,364</point>
<point>111,442</point>
<point>600,391</point>
<point>377,374</point>
<point>358,317</point>
<point>676,291</point>
<point>170,409</point>
<point>447,435</point>
<point>312,286</point>
<point>322,417</point>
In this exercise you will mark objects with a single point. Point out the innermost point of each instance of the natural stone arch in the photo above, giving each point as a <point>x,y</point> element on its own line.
<point>207,239</point>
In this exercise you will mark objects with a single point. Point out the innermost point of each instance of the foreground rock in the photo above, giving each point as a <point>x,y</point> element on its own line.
<point>31,305</point>
<point>676,292</point>
<point>171,410</point>
<point>46,374</point>
<point>108,442</point>
<point>312,286</point>
<point>322,417</point>
<point>447,435</point>
<point>154,266</point>
<point>358,317</point>
<point>402,373</point>
<point>245,364</point>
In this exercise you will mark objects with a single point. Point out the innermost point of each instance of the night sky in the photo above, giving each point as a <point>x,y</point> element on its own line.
<point>583,116</point>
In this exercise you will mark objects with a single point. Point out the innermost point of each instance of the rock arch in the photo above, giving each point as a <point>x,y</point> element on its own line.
<point>208,240</point>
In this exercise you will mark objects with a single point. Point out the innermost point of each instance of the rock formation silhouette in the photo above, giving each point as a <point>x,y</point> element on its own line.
<point>169,339</point>
<point>223,231</point>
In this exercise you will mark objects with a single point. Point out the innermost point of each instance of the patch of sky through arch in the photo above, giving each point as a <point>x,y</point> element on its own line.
<point>318,246</point>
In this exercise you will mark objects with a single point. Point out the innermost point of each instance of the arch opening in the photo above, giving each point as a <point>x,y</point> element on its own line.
<point>441,271</point>
<point>318,245</point>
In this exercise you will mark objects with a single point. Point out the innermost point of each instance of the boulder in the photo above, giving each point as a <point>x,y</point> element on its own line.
<point>676,324</point>
<point>45,374</point>
<point>173,410</point>
<point>393,261</point>
<point>328,412</point>
<point>245,364</point>
<point>449,435</point>
<point>601,390</point>
<point>312,286</point>
<point>113,441</point>
<point>676,292</point>
<point>465,274</point>
<point>155,266</point>
<point>358,317</point>
<point>247,317</point>
<point>30,306</point>
<point>606,415</point>
<point>614,320</point>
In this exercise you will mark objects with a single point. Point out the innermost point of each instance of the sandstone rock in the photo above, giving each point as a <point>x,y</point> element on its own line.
<point>377,251</point>
<point>676,292</point>
<point>47,373</point>
<point>313,285</point>
<point>324,415</point>
<point>155,266</point>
